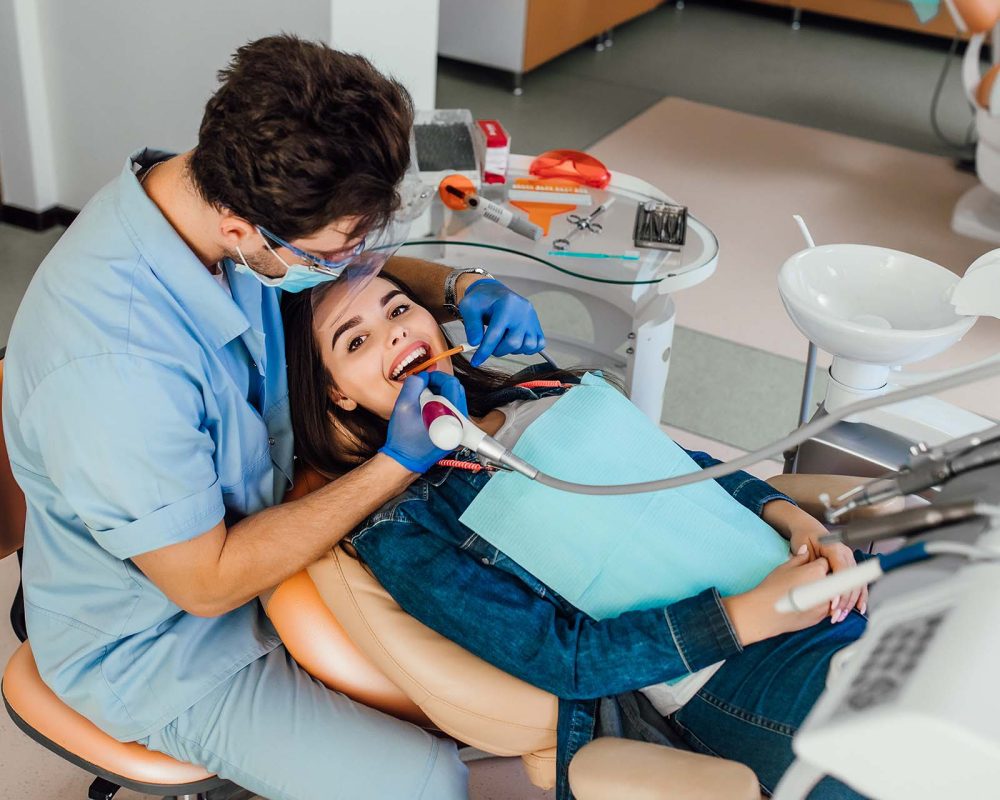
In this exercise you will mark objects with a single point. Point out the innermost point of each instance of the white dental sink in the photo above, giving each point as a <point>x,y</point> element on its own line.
<point>870,304</point>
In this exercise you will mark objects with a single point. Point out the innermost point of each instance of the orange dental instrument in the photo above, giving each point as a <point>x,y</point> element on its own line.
<point>462,348</point>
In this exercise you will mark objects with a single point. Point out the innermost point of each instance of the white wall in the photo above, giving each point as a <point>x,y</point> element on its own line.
<point>84,84</point>
<point>28,171</point>
<point>399,36</point>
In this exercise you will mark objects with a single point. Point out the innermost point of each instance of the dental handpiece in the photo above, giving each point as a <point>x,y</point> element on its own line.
<point>495,212</point>
<point>929,470</point>
<point>448,428</point>
<point>905,523</point>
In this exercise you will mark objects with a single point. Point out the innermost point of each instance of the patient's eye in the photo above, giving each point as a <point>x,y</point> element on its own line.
<point>355,343</point>
<point>402,308</point>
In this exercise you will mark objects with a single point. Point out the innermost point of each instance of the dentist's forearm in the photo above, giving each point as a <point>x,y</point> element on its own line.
<point>263,550</point>
<point>222,568</point>
<point>427,279</point>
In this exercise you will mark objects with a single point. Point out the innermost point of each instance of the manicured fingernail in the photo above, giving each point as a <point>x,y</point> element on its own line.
<point>802,550</point>
<point>864,608</point>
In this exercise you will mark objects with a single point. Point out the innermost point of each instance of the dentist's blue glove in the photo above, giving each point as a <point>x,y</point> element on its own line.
<point>407,441</point>
<point>510,320</point>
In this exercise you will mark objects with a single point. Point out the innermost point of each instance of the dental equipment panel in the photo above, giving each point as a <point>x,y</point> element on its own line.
<point>913,715</point>
<point>912,710</point>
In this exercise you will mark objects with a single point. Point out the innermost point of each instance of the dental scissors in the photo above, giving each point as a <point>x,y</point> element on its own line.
<point>581,224</point>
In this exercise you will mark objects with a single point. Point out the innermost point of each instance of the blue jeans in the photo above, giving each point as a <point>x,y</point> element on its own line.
<point>755,703</point>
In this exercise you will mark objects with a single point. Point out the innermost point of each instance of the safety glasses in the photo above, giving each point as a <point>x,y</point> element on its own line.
<point>311,261</point>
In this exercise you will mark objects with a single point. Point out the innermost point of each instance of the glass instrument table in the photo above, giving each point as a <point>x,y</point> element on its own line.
<point>604,313</point>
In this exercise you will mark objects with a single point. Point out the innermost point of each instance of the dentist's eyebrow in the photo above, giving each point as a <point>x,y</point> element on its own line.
<point>355,320</point>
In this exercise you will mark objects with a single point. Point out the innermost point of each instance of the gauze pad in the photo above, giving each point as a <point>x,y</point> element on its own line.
<point>608,555</point>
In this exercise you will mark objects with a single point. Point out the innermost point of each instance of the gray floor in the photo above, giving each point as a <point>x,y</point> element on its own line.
<point>849,78</point>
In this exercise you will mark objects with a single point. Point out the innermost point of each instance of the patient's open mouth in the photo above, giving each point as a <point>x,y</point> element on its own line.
<point>412,359</point>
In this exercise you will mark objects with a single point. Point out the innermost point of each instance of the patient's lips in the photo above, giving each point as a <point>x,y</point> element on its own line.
<point>408,359</point>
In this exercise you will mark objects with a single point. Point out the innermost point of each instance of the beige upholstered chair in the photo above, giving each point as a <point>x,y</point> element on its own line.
<point>345,629</point>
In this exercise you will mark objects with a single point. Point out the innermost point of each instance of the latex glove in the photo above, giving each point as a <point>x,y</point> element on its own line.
<point>407,441</point>
<point>510,321</point>
<point>839,556</point>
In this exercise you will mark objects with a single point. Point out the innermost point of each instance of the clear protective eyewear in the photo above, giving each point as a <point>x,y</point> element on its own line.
<point>328,267</point>
<point>331,299</point>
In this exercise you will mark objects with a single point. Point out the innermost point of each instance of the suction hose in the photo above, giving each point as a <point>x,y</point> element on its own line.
<point>459,431</point>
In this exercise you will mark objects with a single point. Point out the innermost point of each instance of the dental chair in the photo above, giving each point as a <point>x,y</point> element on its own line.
<point>342,627</point>
<point>977,212</point>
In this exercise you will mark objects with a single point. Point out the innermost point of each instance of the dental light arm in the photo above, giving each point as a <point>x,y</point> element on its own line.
<point>488,449</point>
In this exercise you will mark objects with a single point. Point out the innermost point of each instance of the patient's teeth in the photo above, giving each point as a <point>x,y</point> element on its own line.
<point>420,351</point>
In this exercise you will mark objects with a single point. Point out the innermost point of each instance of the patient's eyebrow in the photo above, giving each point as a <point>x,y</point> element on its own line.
<point>389,296</point>
<point>355,320</point>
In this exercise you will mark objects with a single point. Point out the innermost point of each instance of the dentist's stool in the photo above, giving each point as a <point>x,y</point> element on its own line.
<point>37,711</point>
<point>341,626</point>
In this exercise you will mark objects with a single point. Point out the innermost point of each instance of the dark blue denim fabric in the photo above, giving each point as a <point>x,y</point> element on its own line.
<point>461,586</point>
<point>752,707</point>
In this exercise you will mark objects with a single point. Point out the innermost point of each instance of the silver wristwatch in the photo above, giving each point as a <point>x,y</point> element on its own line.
<point>450,299</point>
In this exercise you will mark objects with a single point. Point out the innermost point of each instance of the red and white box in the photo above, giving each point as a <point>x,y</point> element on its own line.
<point>497,150</point>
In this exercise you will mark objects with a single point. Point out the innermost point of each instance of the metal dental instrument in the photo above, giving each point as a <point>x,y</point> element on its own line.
<point>907,523</point>
<point>581,224</point>
<point>928,468</point>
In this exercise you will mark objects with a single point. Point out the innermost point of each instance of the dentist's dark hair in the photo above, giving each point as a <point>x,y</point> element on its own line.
<point>334,441</point>
<point>299,135</point>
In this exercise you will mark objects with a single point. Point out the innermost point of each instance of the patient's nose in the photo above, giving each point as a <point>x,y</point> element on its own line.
<point>397,335</point>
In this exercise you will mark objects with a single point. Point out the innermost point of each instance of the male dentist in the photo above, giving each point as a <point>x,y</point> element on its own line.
<point>146,418</point>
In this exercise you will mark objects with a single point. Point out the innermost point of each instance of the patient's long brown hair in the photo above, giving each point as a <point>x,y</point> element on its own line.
<point>333,440</point>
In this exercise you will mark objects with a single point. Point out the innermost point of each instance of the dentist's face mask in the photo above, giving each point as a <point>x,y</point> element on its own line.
<point>310,271</point>
<point>351,274</point>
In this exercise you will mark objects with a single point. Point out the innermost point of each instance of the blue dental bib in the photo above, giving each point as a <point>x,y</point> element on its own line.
<point>608,555</point>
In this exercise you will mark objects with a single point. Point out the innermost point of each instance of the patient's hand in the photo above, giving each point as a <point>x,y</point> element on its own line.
<point>800,529</point>
<point>838,555</point>
<point>753,613</point>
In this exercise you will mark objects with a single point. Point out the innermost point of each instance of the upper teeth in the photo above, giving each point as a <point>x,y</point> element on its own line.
<point>420,351</point>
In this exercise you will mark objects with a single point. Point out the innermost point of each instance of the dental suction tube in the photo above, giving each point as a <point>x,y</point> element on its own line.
<point>492,451</point>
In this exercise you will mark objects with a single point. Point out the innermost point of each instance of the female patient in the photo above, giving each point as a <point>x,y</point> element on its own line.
<point>742,677</point>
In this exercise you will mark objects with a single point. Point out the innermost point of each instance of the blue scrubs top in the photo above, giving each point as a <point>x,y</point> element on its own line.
<point>142,404</point>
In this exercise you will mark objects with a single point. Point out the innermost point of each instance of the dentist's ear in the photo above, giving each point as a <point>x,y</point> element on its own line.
<point>342,400</point>
<point>236,231</point>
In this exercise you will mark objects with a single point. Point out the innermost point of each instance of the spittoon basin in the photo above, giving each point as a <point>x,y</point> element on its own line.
<point>871,304</point>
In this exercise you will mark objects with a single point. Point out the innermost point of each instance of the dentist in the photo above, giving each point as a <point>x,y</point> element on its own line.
<point>146,417</point>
